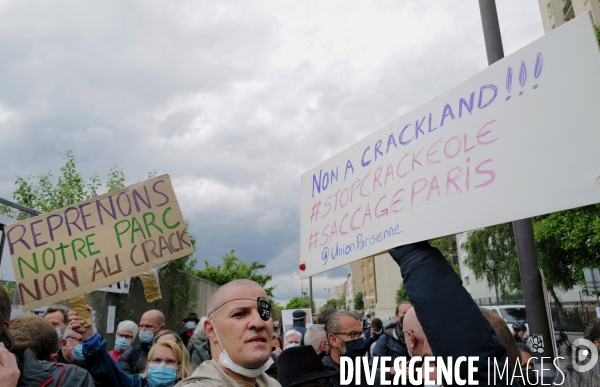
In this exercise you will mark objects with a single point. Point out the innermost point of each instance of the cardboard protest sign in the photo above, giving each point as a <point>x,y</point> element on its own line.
<point>97,242</point>
<point>517,140</point>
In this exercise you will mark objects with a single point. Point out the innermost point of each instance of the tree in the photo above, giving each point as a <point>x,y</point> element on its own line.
<point>233,268</point>
<point>331,303</point>
<point>341,302</point>
<point>447,246</point>
<point>492,254</point>
<point>358,301</point>
<point>401,294</point>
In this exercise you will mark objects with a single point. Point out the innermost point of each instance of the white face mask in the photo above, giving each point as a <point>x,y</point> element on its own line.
<point>225,361</point>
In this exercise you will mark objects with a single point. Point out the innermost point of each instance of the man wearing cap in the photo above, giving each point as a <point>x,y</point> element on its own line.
<point>240,330</point>
<point>301,367</point>
<point>191,321</point>
<point>299,323</point>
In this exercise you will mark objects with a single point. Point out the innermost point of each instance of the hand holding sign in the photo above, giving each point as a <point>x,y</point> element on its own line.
<point>78,324</point>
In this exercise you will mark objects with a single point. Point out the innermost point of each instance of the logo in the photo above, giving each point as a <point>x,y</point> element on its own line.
<point>585,355</point>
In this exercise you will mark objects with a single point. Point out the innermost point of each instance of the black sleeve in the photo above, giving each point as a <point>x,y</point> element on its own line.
<point>452,322</point>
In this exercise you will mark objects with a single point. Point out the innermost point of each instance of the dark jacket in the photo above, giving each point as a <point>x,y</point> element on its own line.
<point>452,322</point>
<point>133,360</point>
<point>185,338</point>
<point>389,344</point>
<point>198,354</point>
<point>36,373</point>
<point>105,370</point>
<point>300,327</point>
<point>335,380</point>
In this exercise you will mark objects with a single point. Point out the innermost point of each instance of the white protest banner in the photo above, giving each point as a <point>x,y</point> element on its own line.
<point>97,242</point>
<point>517,140</point>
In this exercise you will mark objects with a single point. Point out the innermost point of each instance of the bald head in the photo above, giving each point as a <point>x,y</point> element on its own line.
<point>153,320</point>
<point>230,291</point>
<point>416,342</point>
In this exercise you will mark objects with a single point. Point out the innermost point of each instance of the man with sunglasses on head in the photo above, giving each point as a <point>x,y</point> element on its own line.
<point>240,329</point>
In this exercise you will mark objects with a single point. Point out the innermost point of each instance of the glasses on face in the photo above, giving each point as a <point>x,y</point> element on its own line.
<point>74,338</point>
<point>125,336</point>
<point>159,361</point>
<point>353,335</point>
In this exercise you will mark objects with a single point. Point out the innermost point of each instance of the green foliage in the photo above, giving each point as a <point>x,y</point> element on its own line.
<point>299,303</point>
<point>358,301</point>
<point>447,246</point>
<point>233,268</point>
<point>597,29</point>
<point>341,302</point>
<point>331,303</point>
<point>401,294</point>
<point>494,244</point>
<point>567,242</point>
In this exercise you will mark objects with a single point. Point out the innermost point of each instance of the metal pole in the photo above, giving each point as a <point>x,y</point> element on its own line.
<point>531,279</point>
<point>310,290</point>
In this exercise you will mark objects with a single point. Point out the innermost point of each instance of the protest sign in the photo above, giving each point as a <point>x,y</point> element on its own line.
<point>517,140</point>
<point>97,242</point>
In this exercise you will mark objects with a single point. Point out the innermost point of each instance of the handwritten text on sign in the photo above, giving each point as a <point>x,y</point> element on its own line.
<point>97,242</point>
<point>485,152</point>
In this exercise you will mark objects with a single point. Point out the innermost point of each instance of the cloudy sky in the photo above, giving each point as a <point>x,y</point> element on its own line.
<point>234,99</point>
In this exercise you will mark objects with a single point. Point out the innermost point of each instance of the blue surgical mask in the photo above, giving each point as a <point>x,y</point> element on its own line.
<point>292,345</point>
<point>146,337</point>
<point>78,352</point>
<point>59,333</point>
<point>190,325</point>
<point>122,344</point>
<point>161,375</point>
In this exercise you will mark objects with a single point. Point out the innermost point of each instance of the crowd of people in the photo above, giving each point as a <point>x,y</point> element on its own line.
<point>237,343</point>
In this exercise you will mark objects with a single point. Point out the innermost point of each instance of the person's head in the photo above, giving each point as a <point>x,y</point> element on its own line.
<point>58,315</point>
<point>126,332</point>
<point>401,310</point>
<point>414,336</point>
<point>377,325</point>
<point>594,335</point>
<point>504,336</point>
<point>277,341</point>
<point>191,321</point>
<point>315,337</point>
<point>5,307</point>
<point>301,367</point>
<point>151,323</point>
<point>519,329</point>
<point>69,343</point>
<point>525,357</point>
<point>342,328</point>
<point>299,316</point>
<point>164,360</point>
<point>368,317</point>
<point>239,324</point>
<point>37,334</point>
<point>291,339</point>
<point>325,314</point>
<point>170,336</point>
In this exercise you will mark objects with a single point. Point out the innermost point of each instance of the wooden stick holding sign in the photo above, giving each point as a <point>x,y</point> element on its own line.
<point>97,242</point>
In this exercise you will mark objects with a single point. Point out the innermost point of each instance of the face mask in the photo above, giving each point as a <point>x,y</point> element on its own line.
<point>225,361</point>
<point>355,348</point>
<point>78,352</point>
<point>59,333</point>
<point>161,375</point>
<point>190,325</point>
<point>292,345</point>
<point>121,344</point>
<point>146,337</point>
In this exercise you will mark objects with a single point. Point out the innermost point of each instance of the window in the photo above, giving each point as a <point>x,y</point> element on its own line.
<point>550,10</point>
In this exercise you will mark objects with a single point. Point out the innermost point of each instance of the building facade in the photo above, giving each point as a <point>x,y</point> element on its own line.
<point>557,12</point>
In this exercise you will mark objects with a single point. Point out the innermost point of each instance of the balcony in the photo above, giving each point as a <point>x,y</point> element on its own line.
<point>568,10</point>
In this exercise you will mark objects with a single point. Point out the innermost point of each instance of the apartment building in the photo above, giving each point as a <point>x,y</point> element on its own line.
<point>557,12</point>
